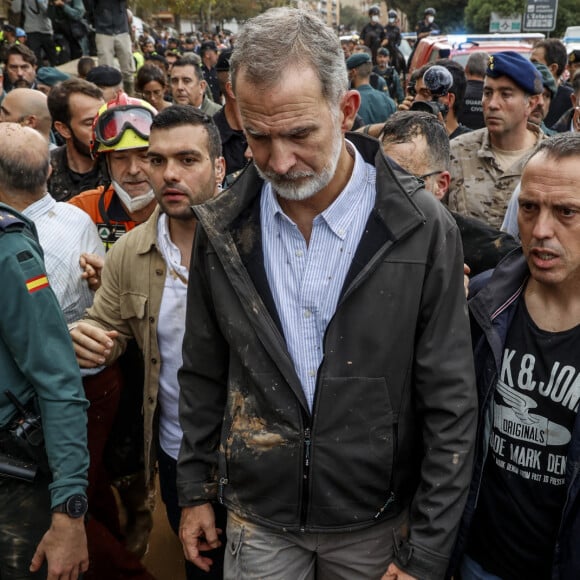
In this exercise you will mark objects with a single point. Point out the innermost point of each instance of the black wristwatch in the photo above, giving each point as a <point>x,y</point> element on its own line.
<point>75,506</point>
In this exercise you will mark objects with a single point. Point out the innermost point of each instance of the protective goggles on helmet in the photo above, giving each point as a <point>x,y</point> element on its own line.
<point>113,123</point>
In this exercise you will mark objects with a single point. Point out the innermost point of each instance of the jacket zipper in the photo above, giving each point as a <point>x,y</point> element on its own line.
<point>385,506</point>
<point>305,478</point>
<point>222,483</point>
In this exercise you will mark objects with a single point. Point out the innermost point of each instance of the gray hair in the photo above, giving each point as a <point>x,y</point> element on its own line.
<point>24,173</point>
<point>476,64</point>
<point>287,37</point>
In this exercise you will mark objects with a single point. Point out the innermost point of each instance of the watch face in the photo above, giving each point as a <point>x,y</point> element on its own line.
<point>76,506</point>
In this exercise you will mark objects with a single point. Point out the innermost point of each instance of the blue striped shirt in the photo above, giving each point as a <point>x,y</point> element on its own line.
<point>306,280</point>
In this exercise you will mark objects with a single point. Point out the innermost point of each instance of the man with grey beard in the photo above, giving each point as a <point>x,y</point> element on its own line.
<point>314,401</point>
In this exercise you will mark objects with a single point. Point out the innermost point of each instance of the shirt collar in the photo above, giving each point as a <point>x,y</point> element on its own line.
<point>40,207</point>
<point>338,216</point>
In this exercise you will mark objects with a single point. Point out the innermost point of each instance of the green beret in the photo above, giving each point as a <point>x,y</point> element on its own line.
<point>547,78</point>
<point>518,68</point>
<point>357,59</point>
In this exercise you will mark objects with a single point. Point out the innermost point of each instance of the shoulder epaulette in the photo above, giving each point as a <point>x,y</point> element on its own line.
<point>8,219</point>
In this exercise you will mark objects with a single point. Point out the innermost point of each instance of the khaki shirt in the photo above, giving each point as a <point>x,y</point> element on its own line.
<point>479,188</point>
<point>128,301</point>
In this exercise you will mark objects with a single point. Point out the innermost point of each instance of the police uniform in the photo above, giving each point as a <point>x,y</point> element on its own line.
<point>38,366</point>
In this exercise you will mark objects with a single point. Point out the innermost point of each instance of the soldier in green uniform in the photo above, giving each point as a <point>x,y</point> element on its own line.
<point>43,452</point>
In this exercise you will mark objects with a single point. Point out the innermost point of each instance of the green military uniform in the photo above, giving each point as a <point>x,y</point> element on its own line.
<point>36,360</point>
<point>375,106</point>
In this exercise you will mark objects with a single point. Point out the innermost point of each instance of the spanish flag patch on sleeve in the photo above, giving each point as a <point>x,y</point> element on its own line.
<point>37,283</point>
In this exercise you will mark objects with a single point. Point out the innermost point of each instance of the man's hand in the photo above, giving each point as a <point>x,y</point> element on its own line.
<point>92,345</point>
<point>466,271</point>
<point>405,105</point>
<point>198,533</point>
<point>92,266</point>
<point>65,548</point>
<point>394,573</point>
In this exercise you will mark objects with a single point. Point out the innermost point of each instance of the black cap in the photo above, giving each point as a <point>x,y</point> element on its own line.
<point>105,76</point>
<point>574,57</point>
<point>209,45</point>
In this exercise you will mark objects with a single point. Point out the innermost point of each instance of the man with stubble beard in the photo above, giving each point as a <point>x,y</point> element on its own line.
<point>73,105</point>
<point>150,266</point>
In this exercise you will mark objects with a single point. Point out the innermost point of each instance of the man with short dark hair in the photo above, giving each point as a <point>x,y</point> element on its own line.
<point>449,103</point>
<point>188,86</point>
<point>551,52</point>
<point>73,105</point>
<point>390,75</point>
<point>419,144</point>
<point>20,68</point>
<point>486,164</point>
<point>522,517</point>
<point>152,261</point>
<point>375,106</point>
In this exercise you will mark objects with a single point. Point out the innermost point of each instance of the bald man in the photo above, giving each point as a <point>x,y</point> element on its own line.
<point>44,473</point>
<point>27,107</point>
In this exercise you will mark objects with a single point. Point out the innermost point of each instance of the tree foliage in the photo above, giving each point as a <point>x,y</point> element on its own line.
<point>478,12</point>
<point>449,12</point>
<point>352,18</point>
<point>207,12</point>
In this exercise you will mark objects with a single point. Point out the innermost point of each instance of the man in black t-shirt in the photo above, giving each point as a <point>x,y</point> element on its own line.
<point>522,519</point>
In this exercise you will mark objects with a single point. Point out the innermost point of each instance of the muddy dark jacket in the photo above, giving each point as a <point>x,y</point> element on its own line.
<point>492,309</point>
<point>393,417</point>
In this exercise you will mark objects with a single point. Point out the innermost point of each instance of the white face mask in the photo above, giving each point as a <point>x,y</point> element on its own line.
<point>375,18</point>
<point>430,19</point>
<point>391,20</point>
<point>133,203</point>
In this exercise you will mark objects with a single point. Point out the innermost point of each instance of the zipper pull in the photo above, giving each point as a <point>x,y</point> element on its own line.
<point>307,443</point>
<point>222,482</point>
<point>385,506</point>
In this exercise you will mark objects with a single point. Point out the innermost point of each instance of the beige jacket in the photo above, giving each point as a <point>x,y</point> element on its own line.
<point>128,301</point>
<point>479,188</point>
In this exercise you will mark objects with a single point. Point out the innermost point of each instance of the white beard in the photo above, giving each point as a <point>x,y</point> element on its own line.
<point>300,185</point>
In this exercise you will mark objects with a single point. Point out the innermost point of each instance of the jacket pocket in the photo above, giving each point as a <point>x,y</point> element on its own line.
<point>353,451</point>
<point>132,305</point>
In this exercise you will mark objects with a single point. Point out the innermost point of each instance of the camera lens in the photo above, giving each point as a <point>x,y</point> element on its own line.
<point>426,106</point>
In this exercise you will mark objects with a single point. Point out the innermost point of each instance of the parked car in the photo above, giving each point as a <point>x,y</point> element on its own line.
<point>458,47</point>
<point>572,38</point>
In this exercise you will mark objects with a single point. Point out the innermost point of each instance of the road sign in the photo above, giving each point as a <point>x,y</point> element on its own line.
<point>540,15</point>
<point>505,24</point>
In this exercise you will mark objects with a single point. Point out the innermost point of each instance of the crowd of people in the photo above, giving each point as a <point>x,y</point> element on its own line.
<point>332,309</point>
